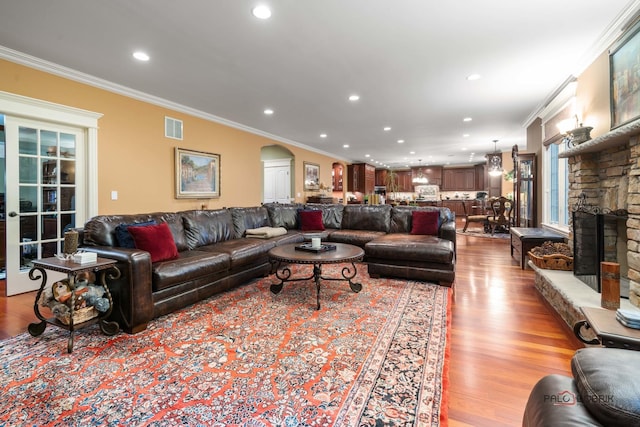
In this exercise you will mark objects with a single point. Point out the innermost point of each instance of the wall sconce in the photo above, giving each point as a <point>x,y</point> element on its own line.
<point>495,161</point>
<point>575,136</point>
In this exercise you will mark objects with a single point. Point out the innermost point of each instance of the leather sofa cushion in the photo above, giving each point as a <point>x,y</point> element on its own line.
<point>331,213</point>
<point>207,227</point>
<point>189,265</point>
<point>253,217</point>
<point>366,217</point>
<point>553,402</point>
<point>242,251</point>
<point>354,237</point>
<point>282,215</point>
<point>607,380</point>
<point>100,230</point>
<point>401,217</point>
<point>176,225</point>
<point>411,248</point>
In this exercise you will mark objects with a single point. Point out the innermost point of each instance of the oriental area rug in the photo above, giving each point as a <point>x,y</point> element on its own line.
<point>247,357</point>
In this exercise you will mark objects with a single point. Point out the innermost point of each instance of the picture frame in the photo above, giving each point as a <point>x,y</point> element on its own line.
<point>197,174</point>
<point>624,63</point>
<point>311,176</point>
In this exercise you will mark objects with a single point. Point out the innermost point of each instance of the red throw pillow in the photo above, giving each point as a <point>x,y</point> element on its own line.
<point>155,239</point>
<point>311,221</point>
<point>425,222</point>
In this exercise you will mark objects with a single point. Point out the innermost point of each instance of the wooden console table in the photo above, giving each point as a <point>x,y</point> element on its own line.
<point>523,239</point>
<point>609,332</point>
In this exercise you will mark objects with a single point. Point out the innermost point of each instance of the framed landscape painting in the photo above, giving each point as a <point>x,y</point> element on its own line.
<point>311,177</point>
<point>197,174</point>
<point>624,64</point>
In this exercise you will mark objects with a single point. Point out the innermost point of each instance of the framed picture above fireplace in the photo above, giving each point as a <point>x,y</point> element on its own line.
<point>624,66</point>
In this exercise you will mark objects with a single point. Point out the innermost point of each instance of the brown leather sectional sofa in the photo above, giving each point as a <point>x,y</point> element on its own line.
<point>214,253</point>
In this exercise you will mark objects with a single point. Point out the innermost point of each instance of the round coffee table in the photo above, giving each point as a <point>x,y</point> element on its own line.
<point>288,254</point>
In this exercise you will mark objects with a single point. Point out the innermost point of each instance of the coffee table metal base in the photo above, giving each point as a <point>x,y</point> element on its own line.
<point>283,273</point>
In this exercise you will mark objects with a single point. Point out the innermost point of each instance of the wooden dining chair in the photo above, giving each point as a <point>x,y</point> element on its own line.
<point>481,218</point>
<point>502,213</point>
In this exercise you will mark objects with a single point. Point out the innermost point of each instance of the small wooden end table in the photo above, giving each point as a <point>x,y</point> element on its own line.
<point>523,239</point>
<point>609,332</point>
<point>288,254</point>
<point>72,269</point>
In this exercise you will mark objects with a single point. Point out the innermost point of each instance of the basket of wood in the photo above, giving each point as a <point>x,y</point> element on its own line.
<point>552,256</point>
<point>80,315</point>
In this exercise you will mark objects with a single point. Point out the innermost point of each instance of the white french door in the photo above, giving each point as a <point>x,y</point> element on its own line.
<point>44,186</point>
<point>51,180</point>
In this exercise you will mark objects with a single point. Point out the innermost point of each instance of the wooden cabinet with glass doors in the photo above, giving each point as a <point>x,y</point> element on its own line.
<point>524,188</point>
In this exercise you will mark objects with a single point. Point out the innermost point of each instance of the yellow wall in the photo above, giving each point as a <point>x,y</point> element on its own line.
<point>136,159</point>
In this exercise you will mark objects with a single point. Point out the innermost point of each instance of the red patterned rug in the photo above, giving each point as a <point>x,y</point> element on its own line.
<point>246,357</point>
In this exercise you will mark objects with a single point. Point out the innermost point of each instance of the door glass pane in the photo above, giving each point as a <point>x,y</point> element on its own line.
<point>28,199</point>
<point>67,221</point>
<point>48,143</point>
<point>67,146</point>
<point>28,170</point>
<point>67,198</point>
<point>49,171</point>
<point>28,252</point>
<point>28,228</point>
<point>49,199</point>
<point>49,249</point>
<point>49,227</point>
<point>67,172</point>
<point>27,141</point>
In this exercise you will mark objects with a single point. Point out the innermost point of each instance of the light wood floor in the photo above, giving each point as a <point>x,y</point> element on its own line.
<point>504,337</point>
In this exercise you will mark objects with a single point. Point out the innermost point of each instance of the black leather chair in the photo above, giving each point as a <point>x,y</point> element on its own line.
<point>604,391</point>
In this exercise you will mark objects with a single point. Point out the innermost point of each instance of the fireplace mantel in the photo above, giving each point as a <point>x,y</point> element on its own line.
<point>613,138</point>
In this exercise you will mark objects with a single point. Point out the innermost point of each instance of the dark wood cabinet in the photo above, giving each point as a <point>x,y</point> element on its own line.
<point>337,177</point>
<point>459,179</point>
<point>381,176</point>
<point>524,189</point>
<point>405,181</point>
<point>361,177</point>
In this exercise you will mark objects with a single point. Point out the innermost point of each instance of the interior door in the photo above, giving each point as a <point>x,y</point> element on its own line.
<point>44,184</point>
<point>277,181</point>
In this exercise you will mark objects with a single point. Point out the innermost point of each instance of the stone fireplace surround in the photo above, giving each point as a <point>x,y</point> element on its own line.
<point>607,170</point>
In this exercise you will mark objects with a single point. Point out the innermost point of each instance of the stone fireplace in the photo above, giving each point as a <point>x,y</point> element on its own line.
<point>604,174</point>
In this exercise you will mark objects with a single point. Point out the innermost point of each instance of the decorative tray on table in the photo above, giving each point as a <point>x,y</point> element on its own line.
<point>322,248</point>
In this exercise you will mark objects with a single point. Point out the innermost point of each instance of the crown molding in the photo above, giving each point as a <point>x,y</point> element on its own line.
<point>71,74</point>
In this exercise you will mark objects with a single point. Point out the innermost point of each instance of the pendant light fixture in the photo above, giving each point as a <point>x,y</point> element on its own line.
<point>420,178</point>
<point>495,161</point>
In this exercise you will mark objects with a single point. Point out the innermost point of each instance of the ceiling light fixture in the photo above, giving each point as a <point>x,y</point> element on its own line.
<point>323,135</point>
<point>261,12</point>
<point>354,98</point>
<point>386,128</point>
<point>495,161</point>
<point>467,119</point>
<point>345,146</point>
<point>401,141</point>
<point>473,77</point>
<point>268,111</point>
<point>141,56</point>
<point>420,178</point>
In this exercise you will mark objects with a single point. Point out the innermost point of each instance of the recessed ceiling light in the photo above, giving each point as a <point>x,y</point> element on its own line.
<point>261,12</point>
<point>412,152</point>
<point>354,97</point>
<point>345,146</point>
<point>323,135</point>
<point>401,141</point>
<point>472,77</point>
<point>367,155</point>
<point>467,119</point>
<point>141,56</point>
<point>268,111</point>
<point>464,148</point>
<point>386,128</point>
<point>465,135</point>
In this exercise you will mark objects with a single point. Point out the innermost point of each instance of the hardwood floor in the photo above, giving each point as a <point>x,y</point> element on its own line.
<point>504,337</point>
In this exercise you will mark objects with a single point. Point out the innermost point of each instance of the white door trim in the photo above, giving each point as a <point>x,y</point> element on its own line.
<point>31,108</point>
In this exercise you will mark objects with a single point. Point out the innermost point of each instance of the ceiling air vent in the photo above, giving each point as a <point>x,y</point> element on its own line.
<point>172,128</point>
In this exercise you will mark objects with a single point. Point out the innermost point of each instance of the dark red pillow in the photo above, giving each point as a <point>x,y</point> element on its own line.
<point>311,221</point>
<point>425,222</point>
<point>155,239</point>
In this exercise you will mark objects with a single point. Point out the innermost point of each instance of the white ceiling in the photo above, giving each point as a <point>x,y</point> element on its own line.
<point>407,59</point>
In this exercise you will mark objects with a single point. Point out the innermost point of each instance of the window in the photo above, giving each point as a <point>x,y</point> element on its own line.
<point>556,188</point>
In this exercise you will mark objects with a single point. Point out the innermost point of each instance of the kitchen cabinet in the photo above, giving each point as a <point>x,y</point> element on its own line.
<point>405,181</point>
<point>524,186</point>
<point>336,175</point>
<point>381,177</point>
<point>459,179</point>
<point>457,206</point>
<point>361,178</point>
